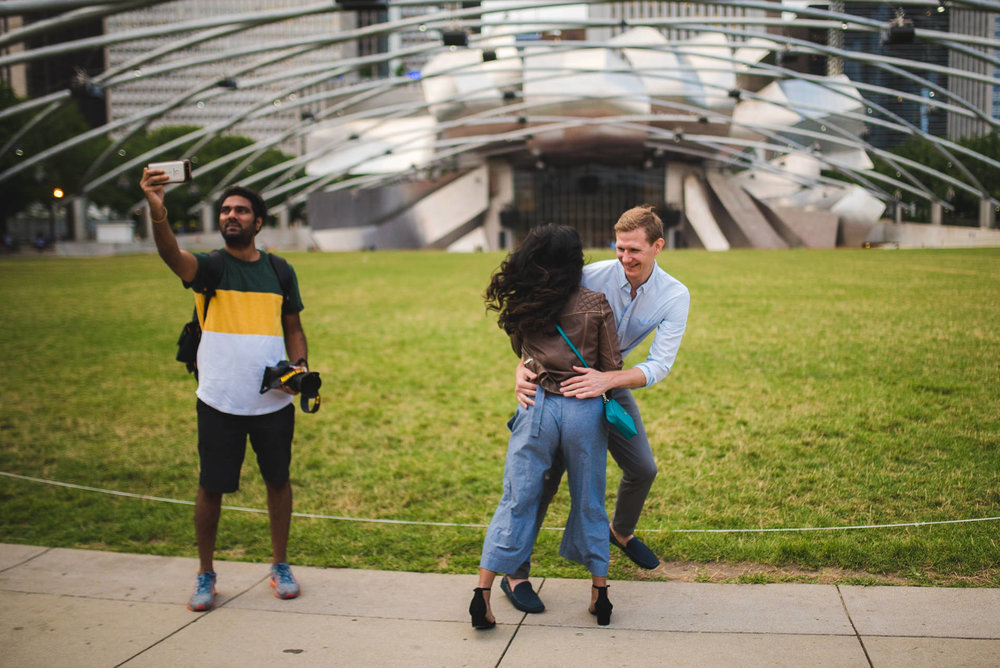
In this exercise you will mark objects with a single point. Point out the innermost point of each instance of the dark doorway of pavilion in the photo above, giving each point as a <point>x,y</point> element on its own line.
<point>589,197</point>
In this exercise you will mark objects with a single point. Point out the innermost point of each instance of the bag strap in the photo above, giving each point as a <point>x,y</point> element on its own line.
<point>604,396</point>
<point>208,298</point>
<point>284,273</point>
<point>566,339</point>
<point>216,263</point>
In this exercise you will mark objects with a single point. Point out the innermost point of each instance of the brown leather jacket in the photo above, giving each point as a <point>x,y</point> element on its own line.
<point>589,323</point>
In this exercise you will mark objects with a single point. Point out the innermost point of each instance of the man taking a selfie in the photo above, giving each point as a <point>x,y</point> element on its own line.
<point>250,322</point>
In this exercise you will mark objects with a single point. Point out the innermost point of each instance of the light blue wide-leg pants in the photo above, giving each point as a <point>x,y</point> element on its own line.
<point>577,430</point>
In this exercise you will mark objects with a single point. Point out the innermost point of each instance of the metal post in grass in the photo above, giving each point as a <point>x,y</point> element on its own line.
<point>936,211</point>
<point>987,213</point>
<point>208,221</point>
<point>147,223</point>
<point>76,210</point>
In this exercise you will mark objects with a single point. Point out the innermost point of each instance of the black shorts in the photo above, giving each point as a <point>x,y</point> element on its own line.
<point>222,444</point>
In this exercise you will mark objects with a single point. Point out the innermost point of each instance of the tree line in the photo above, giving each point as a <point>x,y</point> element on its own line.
<point>66,170</point>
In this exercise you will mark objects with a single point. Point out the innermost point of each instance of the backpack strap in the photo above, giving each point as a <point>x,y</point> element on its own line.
<point>216,263</point>
<point>284,273</point>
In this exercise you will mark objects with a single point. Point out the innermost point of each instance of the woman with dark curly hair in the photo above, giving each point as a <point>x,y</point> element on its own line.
<point>535,290</point>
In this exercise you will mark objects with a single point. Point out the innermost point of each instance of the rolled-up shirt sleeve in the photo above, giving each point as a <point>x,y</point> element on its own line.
<point>660,306</point>
<point>667,339</point>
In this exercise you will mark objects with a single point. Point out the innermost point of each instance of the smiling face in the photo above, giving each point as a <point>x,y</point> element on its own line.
<point>237,222</point>
<point>637,255</point>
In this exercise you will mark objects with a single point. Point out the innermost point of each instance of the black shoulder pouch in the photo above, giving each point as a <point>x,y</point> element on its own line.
<point>187,342</point>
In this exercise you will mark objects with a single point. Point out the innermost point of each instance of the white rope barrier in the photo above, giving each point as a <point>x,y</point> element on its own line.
<point>341,518</point>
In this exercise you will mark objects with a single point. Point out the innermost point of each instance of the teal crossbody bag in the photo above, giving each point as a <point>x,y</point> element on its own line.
<point>614,412</point>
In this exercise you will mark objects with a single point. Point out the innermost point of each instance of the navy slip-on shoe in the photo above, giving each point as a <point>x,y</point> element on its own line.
<point>522,597</point>
<point>637,551</point>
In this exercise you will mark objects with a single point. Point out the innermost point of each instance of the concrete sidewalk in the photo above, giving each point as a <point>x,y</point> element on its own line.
<point>62,607</point>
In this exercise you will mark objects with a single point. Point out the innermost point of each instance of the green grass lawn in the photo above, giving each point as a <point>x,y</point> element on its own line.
<point>813,389</point>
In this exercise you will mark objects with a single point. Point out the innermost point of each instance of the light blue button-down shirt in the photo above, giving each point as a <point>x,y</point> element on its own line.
<point>661,303</point>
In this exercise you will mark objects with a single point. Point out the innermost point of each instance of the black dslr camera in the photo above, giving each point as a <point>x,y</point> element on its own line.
<point>306,383</point>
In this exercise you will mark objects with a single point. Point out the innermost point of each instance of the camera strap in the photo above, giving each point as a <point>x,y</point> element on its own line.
<point>304,400</point>
<point>304,404</point>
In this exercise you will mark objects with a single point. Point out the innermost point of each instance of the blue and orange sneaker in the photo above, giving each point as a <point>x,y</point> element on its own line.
<point>203,597</point>
<point>283,581</point>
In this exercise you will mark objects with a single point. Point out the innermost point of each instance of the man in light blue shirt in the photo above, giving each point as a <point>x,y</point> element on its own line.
<point>644,299</point>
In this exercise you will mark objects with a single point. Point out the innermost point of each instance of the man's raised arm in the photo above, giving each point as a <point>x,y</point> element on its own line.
<point>180,261</point>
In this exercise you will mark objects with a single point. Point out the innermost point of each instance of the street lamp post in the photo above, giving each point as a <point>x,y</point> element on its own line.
<point>57,195</point>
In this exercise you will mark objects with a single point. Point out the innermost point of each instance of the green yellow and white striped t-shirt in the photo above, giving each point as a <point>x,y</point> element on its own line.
<point>242,334</point>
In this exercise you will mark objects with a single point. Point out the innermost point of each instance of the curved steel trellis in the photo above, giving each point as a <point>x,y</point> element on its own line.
<point>192,33</point>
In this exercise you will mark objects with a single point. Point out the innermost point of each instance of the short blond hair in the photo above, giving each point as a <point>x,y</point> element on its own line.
<point>641,218</point>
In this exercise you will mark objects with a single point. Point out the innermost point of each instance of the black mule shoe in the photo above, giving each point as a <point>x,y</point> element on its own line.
<point>478,610</point>
<point>602,606</point>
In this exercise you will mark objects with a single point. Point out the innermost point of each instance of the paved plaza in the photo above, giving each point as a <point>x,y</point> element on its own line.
<point>68,607</point>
